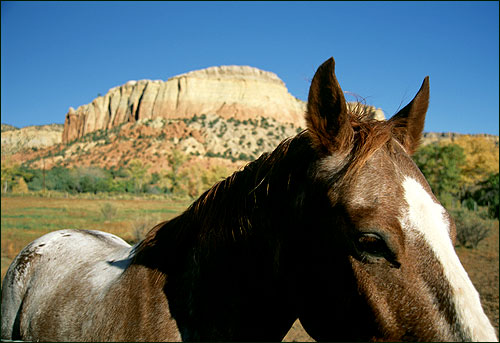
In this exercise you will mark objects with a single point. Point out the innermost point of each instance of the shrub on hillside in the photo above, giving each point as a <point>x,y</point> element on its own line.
<point>471,227</point>
<point>442,167</point>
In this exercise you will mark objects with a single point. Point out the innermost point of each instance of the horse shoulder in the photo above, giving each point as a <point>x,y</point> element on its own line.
<point>137,298</point>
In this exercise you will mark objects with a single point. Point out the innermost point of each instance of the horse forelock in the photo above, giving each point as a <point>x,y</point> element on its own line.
<point>345,166</point>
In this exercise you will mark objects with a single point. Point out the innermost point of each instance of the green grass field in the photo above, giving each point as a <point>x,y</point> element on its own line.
<point>27,218</point>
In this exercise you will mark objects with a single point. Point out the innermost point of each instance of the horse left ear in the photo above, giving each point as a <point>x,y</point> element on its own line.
<point>408,123</point>
<point>326,115</point>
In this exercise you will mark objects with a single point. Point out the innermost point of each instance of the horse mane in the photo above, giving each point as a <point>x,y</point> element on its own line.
<point>232,208</point>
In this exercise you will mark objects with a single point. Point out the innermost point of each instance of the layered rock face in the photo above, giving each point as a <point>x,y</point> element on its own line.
<point>14,140</point>
<point>228,91</point>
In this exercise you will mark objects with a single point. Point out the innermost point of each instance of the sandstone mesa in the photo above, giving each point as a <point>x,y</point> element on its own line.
<point>241,92</point>
<point>237,92</point>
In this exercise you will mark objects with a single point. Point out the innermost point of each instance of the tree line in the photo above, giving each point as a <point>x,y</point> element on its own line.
<point>458,182</point>
<point>180,180</point>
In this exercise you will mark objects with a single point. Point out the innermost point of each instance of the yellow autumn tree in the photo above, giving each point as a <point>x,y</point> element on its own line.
<point>9,172</point>
<point>21,186</point>
<point>481,158</point>
<point>173,178</point>
<point>137,171</point>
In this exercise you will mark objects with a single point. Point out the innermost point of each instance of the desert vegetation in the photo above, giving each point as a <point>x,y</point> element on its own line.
<point>206,136</point>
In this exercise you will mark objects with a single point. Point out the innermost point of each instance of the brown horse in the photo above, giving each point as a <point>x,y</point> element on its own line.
<point>337,227</point>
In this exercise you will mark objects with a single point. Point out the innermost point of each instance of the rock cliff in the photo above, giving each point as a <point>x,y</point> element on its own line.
<point>228,91</point>
<point>34,137</point>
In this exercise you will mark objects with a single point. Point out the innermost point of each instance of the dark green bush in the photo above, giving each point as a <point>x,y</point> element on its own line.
<point>442,167</point>
<point>487,195</point>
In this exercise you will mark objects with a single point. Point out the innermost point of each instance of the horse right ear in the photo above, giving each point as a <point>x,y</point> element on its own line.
<point>326,116</point>
<point>409,122</point>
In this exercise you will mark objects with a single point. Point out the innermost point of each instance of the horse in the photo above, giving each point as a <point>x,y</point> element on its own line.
<point>336,227</point>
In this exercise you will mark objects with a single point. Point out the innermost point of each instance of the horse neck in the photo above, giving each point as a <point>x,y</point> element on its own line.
<point>226,251</point>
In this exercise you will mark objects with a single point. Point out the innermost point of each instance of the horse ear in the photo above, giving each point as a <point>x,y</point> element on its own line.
<point>408,123</point>
<point>326,116</point>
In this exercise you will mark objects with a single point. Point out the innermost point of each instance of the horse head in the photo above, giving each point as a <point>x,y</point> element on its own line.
<point>379,263</point>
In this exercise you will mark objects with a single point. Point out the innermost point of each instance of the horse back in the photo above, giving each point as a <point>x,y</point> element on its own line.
<point>70,267</point>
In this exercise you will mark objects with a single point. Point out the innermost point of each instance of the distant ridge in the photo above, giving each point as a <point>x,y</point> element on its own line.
<point>432,137</point>
<point>7,127</point>
<point>37,136</point>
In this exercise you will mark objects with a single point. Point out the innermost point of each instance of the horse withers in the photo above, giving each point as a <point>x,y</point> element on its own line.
<point>336,227</point>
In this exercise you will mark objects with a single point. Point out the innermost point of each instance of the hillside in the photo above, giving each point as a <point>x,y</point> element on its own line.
<point>207,137</point>
<point>7,127</point>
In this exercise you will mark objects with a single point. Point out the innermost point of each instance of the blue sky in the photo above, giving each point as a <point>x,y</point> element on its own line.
<point>60,54</point>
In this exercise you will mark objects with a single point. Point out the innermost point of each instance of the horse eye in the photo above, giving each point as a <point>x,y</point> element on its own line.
<point>372,244</point>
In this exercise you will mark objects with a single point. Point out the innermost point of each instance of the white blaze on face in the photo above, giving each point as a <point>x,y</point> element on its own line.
<point>427,218</point>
